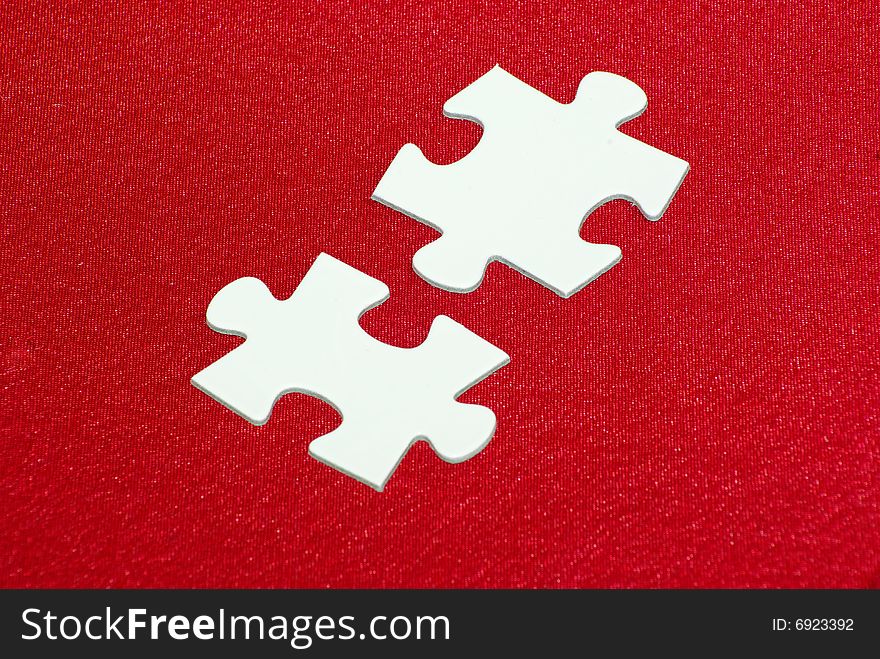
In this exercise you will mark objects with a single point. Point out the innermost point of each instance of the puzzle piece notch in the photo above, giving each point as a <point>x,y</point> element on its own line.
<point>521,195</point>
<point>388,396</point>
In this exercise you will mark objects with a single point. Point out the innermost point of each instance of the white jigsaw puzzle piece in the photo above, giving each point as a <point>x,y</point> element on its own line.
<point>388,396</point>
<point>521,195</point>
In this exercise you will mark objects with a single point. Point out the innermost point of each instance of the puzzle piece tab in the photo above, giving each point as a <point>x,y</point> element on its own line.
<point>388,396</point>
<point>521,195</point>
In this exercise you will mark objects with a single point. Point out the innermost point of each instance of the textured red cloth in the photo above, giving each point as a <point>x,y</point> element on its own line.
<point>707,413</point>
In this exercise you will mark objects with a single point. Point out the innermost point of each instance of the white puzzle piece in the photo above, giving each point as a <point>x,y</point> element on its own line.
<point>521,195</point>
<point>388,396</point>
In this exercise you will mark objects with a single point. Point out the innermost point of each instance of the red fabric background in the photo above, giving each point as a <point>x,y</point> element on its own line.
<point>704,414</point>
